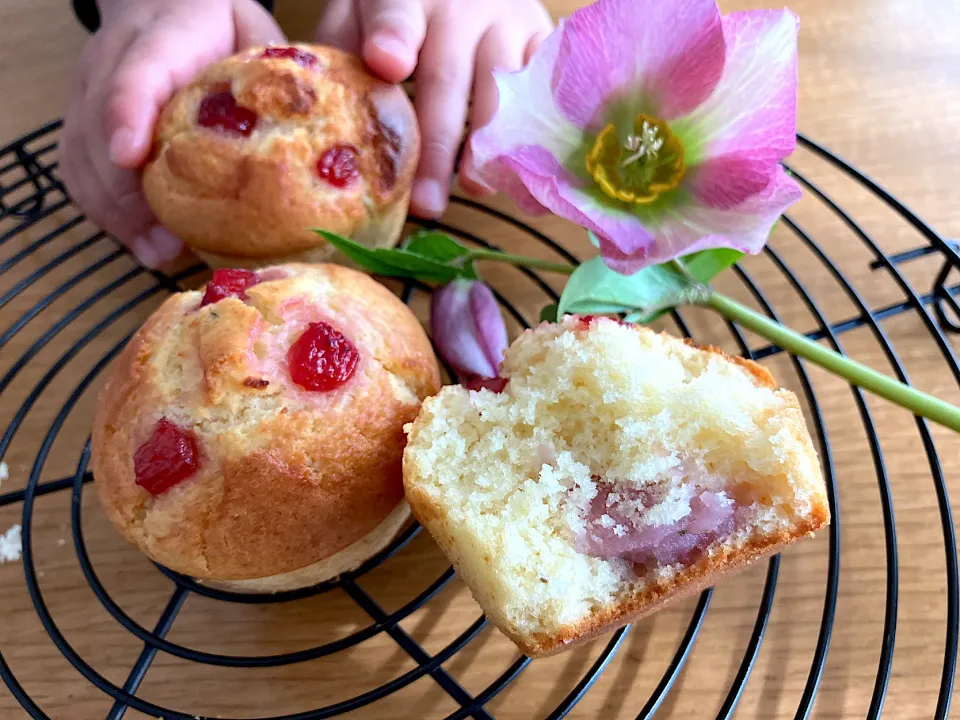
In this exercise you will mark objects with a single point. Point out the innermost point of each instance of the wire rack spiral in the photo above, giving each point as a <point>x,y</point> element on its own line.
<point>31,194</point>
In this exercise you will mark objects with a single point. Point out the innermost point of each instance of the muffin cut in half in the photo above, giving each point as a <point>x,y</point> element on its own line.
<point>617,470</point>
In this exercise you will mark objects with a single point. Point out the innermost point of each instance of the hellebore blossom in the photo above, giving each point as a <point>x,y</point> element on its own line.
<point>659,125</point>
<point>468,329</point>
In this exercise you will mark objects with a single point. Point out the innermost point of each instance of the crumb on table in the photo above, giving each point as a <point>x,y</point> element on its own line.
<point>11,545</point>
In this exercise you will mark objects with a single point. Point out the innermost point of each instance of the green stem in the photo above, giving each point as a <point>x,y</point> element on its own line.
<point>917,402</point>
<point>522,261</point>
<point>679,266</point>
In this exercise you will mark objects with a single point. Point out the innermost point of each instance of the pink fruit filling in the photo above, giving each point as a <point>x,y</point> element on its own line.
<point>222,112</point>
<point>291,53</point>
<point>271,274</point>
<point>475,382</point>
<point>169,456</point>
<point>338,165</point>
<point>229,282</point>
<point>616,527</point>
<point>587,321</point>
<point>322,358</point>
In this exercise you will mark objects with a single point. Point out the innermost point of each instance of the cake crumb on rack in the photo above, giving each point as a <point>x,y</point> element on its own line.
<point>11,546</point>
<point>4,472</point>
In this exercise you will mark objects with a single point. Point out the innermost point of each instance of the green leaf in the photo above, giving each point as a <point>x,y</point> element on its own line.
<point>436,245</point>
<point>401,262</point>
<point>363,256</point>
<point>707,264</point>
<point>549,313</point>
<point>595,289</point>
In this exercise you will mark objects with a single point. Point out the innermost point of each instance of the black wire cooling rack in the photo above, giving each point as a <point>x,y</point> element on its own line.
<point>30,192</point>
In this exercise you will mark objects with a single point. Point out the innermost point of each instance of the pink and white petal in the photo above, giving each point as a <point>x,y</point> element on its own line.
<point>746,227</point>
<point>671,52</point>
<point>526,112</point>
<point>754,108</point>
<point>624,262</point>
<point>726,181</point>
<point>561,192</point>
<point>499,175</point>
<point>455,333</point>
<point>491,330</point>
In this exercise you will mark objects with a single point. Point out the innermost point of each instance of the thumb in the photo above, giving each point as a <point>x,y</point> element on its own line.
<point>255,26</point>
<point>160,62</point>
<point>152,69</point>
<point>393,32</point>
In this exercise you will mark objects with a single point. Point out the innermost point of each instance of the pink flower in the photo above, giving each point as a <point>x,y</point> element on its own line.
<point>659,125</point>
<point>468,329</point>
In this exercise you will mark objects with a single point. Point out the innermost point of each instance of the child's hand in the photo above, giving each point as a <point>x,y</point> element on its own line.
<point>143,53</point>
<point>458,43</point>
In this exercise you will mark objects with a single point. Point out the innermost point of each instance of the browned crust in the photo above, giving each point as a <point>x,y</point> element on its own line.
<point>350,558</point>
<point>658,594</point>
<point>257,198</point>
<point>304,478</point>
<point>382,231</point>
<point>651,599</point>
<point>761,376</point>
<point>661,594</point>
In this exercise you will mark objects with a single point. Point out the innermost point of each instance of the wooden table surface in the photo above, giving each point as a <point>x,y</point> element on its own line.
<point>880,85</point>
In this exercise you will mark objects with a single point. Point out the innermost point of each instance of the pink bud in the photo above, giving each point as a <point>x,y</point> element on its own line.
<point>468,328</point>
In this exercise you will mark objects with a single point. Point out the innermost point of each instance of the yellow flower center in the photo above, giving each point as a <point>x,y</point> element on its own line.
<point>641,167</point>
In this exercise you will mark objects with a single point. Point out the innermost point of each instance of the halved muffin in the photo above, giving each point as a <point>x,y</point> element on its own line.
<point>618,469</point>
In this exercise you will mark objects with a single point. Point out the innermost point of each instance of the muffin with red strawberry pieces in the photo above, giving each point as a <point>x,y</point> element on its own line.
<point>251,434</point>
<point>267,144</point>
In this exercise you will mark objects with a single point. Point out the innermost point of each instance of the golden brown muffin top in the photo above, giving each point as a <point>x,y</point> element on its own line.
<point>300,125</point>
<point>286,476</point>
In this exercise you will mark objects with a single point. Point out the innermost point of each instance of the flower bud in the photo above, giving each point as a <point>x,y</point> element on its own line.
<point>468,328</point>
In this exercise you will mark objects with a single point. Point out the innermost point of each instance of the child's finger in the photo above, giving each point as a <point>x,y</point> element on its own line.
<point>168,56</point>
<point>254,26</point>
<point>443,79</point>
<point>146,77</point>
<point>534,43</point>
<point>339,26</point>
<point>128,217</point>
<point>157,247</point>
<point>392,33</point>
<point>499,50</point>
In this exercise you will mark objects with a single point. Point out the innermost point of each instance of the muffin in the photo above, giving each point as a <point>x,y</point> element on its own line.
<point>267,144</point>
<point>251,434</point>
<point>617,470</point>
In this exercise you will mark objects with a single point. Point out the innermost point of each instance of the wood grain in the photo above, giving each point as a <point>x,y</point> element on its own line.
<point>880,84</point>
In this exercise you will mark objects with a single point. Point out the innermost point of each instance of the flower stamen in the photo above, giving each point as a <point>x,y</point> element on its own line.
<point>647,143</point>
<point>642,166</point>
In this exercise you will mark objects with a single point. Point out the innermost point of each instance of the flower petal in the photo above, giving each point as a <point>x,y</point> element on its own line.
<point>499,175</point>
<point>491,330</point>
<point>694,226</point>
<point>669,52</point>
<point>726,181</point>
<point>625,263</point>
<point>753,112</point>
<point>526,112</point>
<point>467,341</point>
<point>561,192</point>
